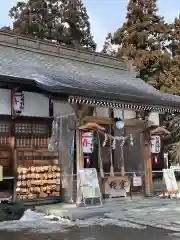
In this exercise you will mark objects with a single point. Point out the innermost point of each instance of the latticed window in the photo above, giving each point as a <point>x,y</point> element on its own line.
<point>31,135</point>
<point>23,128</point>
<point>5,133</point>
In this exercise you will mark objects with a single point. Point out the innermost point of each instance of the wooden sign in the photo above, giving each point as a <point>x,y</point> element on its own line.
<point>170,181</point>
<point>89,183</point>
<point>117,186</point>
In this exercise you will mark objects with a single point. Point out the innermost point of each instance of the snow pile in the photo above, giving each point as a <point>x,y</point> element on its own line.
<point>34,221</point>
<point>38,222</point>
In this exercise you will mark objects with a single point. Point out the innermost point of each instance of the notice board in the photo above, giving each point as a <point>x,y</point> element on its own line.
<point>89,183</point>
<point>170,181</point>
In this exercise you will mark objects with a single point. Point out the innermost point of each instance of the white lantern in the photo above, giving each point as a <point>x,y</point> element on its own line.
<point>87,142</point>
<point>119,123</point>
<point>155,144</point>
<point>18,102</point>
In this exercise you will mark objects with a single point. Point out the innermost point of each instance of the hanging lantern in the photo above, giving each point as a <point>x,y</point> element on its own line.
<point>155,144</point>
<point>156,160</point>
<point>17,101</point>
<point>119,123</point>
<point>87,142</point>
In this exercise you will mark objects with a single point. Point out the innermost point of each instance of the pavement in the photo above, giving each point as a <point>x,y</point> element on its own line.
<point>153,212</point>
<point>163,216</point>
<point>93,233</point>
<point>150,219</point>
<point>72,212</point>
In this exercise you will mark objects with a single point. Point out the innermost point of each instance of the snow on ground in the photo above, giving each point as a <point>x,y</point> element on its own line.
<point>38,222</point>
<point>159,217</point>
<point>163,214</point>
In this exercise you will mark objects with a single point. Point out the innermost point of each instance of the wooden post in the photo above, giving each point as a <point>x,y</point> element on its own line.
<point>148,164</point>
<point>79,161</point>
<point>14,161</point>
<point>15,174</point>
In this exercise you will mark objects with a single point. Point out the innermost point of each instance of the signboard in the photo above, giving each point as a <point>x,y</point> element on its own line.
<point>89,183</point>
<point>87,142</point>
<point>137,181</point>
<point>117,186</point>
<point>17,101</point>
<point>170,181</point>
<point>155,144</point>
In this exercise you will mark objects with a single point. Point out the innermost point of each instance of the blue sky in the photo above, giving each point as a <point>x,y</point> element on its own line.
<point>105,15</point>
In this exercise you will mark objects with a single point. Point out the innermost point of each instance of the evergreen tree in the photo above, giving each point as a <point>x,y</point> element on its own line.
<point>109,48</point>
<point>143,38</point>
<point>143,30</point>
<point>36,18</point>
<point>75,16</point>
<point>173,46</point>
<point>64,21</point>
<point>154,47</point>
<point>174,37</point>
<point>172,144</point>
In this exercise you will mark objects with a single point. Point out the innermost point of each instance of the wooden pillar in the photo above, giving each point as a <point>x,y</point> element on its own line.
<point>79,161</point>
<point>15,172</point>
<point>148,164</point>
<point>79,153</point>
<point>14,161</point>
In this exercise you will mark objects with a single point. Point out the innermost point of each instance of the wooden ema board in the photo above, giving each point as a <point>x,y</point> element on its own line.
<point>170,181</point>
<point>89,185</point>
<point>35,158</point>
<point>38,175</point>
<point>116,186</point>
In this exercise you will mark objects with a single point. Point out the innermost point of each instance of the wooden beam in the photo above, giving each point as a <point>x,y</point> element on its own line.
<point>127,122</point>
<point>99,120</point>
<point>91,127</point>
<point>139,123</point>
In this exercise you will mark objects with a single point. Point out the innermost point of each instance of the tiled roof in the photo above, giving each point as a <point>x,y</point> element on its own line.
<point>62,75</point>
